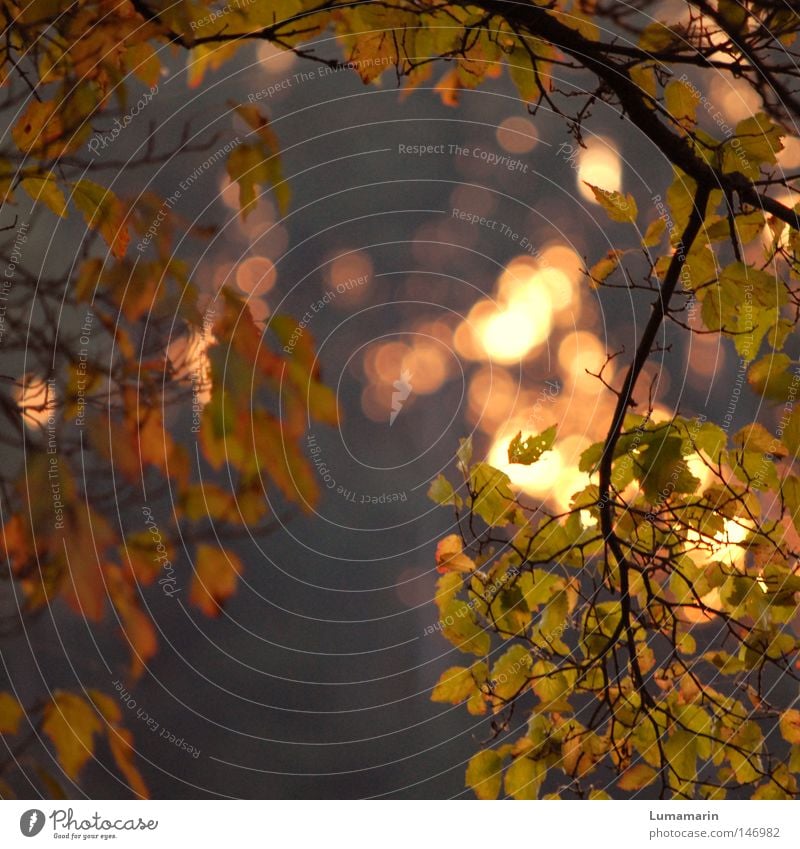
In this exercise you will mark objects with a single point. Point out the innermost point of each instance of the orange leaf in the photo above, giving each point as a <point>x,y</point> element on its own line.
<point>104,212</point>
<point>11,714</point>
<point>120,741</point>
<point>214,579</point>
<point>71,723</point>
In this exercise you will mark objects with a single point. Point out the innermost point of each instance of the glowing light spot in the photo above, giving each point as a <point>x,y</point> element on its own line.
<point>789,157</point>
<point>508,335</point>
<point>736,98</point>
<point>229,193</point>
<point>350,276</point>
<point>696,466</point>
<point>491,397</point>
<point>517,135</point>
<point>272,59</point>
<point>256,275</point>
<point>35,400</point>
<point>427,364</point>
<point>579,353</point>
<point>599,164</point>
<point>191,365</point>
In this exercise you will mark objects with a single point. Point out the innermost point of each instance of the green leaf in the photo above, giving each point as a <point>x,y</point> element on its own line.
<point>529,450</point>
<point>484,774</point>
<point>464,453</point>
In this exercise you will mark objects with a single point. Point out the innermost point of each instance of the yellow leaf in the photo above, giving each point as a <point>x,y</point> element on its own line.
<point>619,207</point>
<point>450,556</point>
<point>525,777</point>
<point>484,774</point>
<point>790,726</point>
<point>45,189</point>
<point>637,777</point>
<point>71,723</point>
<point>39,129</point>
<point>681,100</point>
<point>11,714</point>
<point>214,580</point>
<point>455,684</point>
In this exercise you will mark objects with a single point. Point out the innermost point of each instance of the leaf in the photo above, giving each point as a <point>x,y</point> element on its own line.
<point>790,488</point>
<point>619,207</point>
<point>456,684</point>
<point>441,492</point>
<point>484,774</point>
<point>680,751</point>
<point>681,100</point>
<point>464,453</point>
<point>71,723</point>
<point>770,377</point>
<point>103,212</point>
<point>528,451</point>
<point>44,188</point>
<point>461,629</point>
<point>790,726</point>
<point>450,556</point>
<point>494,500</point>
<point>524,778</point>
<point>755,437</point>
<point>655,230</point>
<point>39,129</point>
<point>11,714</point>
<point>637,777</point>
<point>216,572</point>
<point>756,141</point>
<point>791,433</point>
<point>120,742</point>
<point>604,268</point>
<point>511,672</point>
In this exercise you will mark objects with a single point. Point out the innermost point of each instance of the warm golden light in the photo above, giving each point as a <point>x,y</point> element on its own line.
<point>578,352</point>
<point>274,60</point>
<point>35,400</point>
<point>599,164</point>
<point>509,334</point>
<point>191,365</point>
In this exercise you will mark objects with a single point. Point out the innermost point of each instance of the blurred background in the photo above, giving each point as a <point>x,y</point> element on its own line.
<point>434,248</point>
